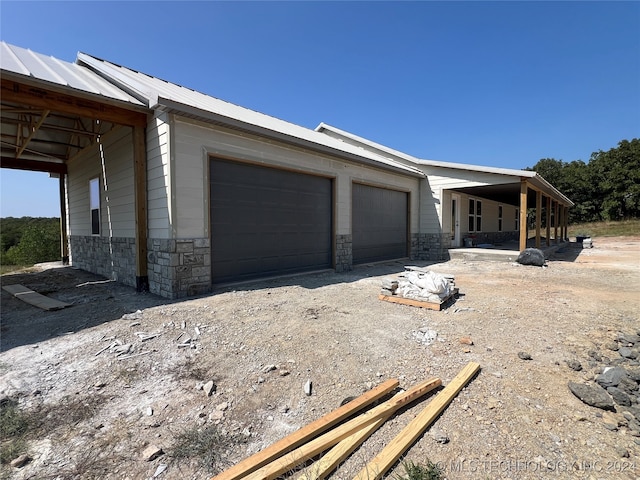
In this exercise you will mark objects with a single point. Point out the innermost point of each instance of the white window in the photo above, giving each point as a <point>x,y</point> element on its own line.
<point>475,215</point>
<point>94,203</point>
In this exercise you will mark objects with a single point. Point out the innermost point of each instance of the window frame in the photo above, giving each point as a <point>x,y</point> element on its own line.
<point>94,205</point>
<point>500,212</point>
<point>475,215</point>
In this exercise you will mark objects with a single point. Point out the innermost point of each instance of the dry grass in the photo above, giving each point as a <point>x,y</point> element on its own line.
<point>209,446</point>
<point>14,425</point>
<point>606,229</point>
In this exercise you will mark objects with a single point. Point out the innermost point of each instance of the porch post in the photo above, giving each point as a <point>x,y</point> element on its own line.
<point>555,223</point>
<point>523,215</point>
<point>64,244</point>
<point>548,220</point>
<point>538,216</point>
<point>140,185</point>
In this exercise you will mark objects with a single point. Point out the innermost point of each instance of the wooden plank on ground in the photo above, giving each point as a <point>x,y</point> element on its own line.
<point>394,449</point>
<point>33,298</point>
<point>330,460</point>
<point>318,445</point>
<point>307,432</point>
<point>416,303</point>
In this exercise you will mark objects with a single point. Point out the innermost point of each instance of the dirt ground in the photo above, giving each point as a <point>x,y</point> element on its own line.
<point>94,410</point>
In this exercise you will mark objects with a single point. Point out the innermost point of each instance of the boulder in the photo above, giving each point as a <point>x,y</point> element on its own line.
<point>611,377</point>
<point>593,395</point>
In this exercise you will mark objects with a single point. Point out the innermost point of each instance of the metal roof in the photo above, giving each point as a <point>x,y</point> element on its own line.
<point>24,62</point>
<point>161,94</point>
<point>534,178</point>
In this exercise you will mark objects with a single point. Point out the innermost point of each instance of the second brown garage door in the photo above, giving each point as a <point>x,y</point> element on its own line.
<point>379,223</point>
<point>266,221</point>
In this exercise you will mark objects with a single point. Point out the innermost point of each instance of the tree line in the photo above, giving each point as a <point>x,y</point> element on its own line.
<point>607,187</point>
<point>29,240</point>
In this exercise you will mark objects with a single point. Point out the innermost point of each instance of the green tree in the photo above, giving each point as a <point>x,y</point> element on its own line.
<point>38,243</point>
<point>616,174</point>
<point>606,188</point>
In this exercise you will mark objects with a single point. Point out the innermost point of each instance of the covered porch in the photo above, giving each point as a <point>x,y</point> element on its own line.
<point>541,216</point>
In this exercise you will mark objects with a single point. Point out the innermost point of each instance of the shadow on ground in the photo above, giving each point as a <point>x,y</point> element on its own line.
<point>95,300</point>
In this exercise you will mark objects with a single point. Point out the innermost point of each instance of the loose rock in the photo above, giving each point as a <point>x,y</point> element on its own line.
<point>593,395</point>
<point>151,453</point>
<point>574,365</point>
<point>524,356</point>
<point>21,461</point>
<point>611,377</point>
<point>209,388</point>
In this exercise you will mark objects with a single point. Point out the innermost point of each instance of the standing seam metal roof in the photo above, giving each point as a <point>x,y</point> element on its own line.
<point>156,93</point>
<point>41,67</point>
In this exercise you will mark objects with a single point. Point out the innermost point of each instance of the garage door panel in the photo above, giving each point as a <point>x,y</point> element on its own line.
<point>379,224</point>
<point>266,221</point>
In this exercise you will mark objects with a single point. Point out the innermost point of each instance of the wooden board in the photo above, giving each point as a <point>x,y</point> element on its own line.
<point>306,433</point>
<point>417,303</point>
<point>330,460</point>
<point>33,298</point>
<point>396,447</point>
<point>318,445</point>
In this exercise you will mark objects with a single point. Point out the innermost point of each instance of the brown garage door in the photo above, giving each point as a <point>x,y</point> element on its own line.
<point>379,224</point>
<point>266,221</point>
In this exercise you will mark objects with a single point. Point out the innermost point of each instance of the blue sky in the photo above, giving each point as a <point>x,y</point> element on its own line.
<point>489,83</point>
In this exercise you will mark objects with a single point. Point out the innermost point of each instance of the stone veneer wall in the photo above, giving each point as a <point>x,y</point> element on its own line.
<point>111,257</point>
<point>430,246</point>
<point>179,268</point>
<point>493,237</point>
<point>344,253</point>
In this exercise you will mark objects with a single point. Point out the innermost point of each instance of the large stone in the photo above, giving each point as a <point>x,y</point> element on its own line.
<point>593,395</point>
<point>611,377</point>
<point>627,352</point>
<point>620,397</point>
<point>531,256</point>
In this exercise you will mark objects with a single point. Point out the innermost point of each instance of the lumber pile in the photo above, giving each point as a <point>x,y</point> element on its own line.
<point>336,438</point>
<point>419,287</point>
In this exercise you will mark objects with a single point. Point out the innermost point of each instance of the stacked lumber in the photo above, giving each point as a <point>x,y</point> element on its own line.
<point>336,438</point>
<point>402,290</point>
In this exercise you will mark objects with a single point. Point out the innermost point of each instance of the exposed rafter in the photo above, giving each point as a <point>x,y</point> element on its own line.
<point>34,130</point>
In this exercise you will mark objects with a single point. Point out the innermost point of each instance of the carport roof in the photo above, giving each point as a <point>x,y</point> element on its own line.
<point>27,63</point>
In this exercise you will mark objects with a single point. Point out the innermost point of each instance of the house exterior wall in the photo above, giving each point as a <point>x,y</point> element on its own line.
<point>179,149</point>
<point>110,253</point>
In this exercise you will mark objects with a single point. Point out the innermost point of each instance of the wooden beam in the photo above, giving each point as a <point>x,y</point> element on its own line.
<point>23,94</point>
<point>524,228</point>
<point>407,437</point>
<point>64,246</point>
<point>140,185</point>
<point>33,165</point>
<point>34,130</point>
<point>334,457</point>
<point>306,433</point>
<point>320,444</point>
<point>538,216</point>
<point>548,220</point>
<point>555,222</point>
